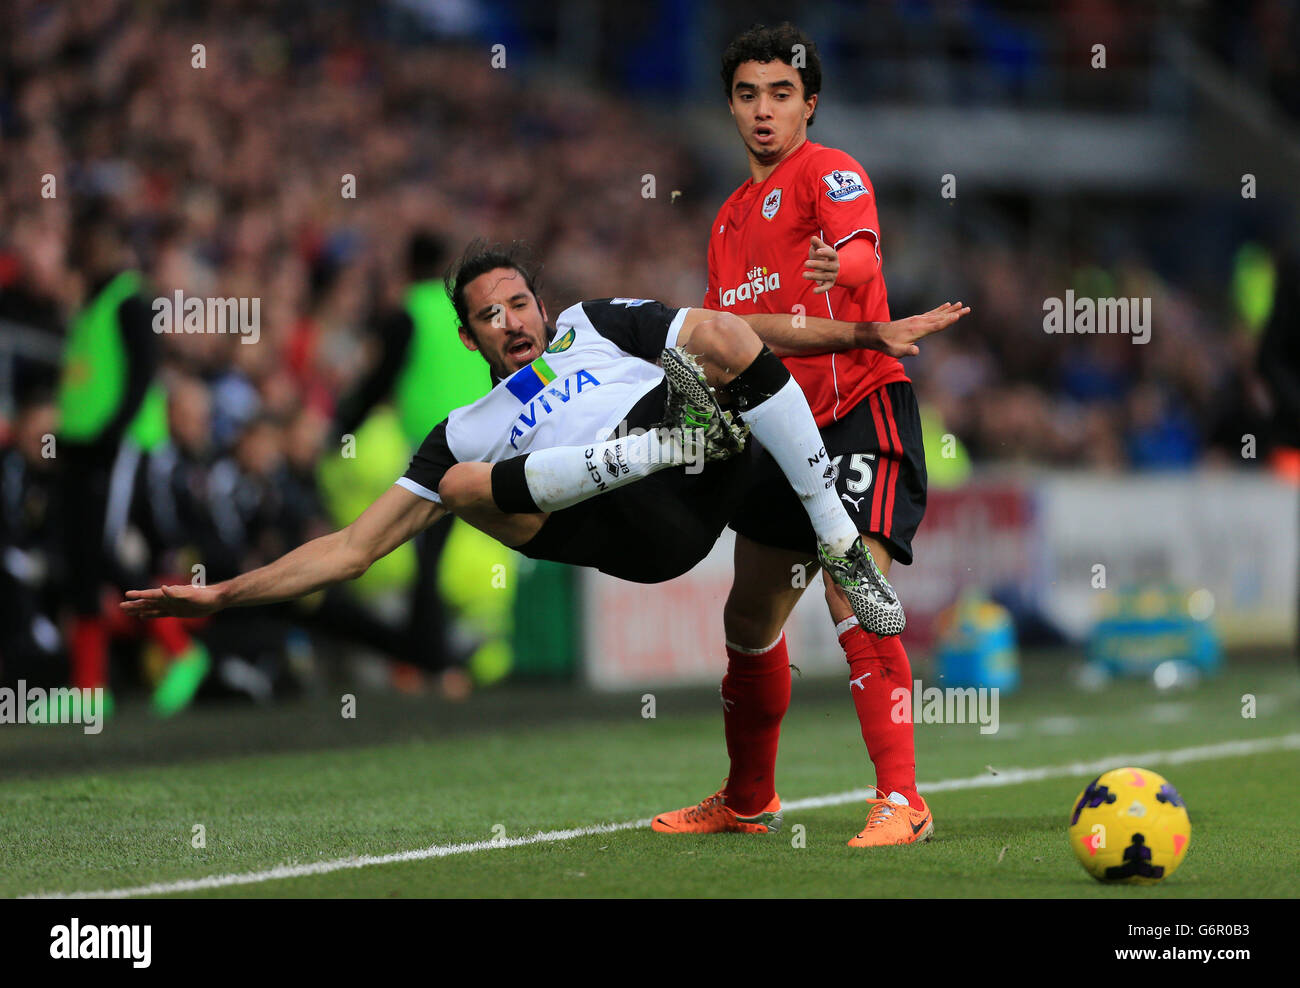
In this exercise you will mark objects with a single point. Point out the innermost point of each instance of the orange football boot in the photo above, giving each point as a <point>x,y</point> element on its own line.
<point>713,816</point>
<point>893,821</point>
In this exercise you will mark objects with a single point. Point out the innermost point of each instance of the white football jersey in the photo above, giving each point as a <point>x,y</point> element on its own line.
<point>599,364</point>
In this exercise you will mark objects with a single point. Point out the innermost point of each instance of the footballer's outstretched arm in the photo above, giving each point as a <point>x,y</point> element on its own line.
<point>397,515</point>
<point>790,335</point>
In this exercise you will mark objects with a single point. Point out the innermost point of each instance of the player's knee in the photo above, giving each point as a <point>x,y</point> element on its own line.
<point>747,626</point>
<point>727,342</point>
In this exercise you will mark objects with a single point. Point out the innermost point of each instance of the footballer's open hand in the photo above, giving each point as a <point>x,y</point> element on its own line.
<point>898,338</point>
<point>823,265</point>
<point>182,600</point>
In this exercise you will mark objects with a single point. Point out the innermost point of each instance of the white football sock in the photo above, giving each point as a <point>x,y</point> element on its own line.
<point>563,476</point>
<point>784,424</point>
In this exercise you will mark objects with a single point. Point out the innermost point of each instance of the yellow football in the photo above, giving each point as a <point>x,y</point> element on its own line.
<point>1130,825</point>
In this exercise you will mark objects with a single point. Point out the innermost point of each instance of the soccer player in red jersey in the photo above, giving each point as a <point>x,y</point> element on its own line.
<point>802,237</point>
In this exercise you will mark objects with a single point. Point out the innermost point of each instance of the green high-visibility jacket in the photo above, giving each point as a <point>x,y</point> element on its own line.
<point>94,381</point>
<point>439,373</point>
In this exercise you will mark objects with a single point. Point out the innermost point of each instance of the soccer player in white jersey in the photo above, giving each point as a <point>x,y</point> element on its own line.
<point>532,465</point>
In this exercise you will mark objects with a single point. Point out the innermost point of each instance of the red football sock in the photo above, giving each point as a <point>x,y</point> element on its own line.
<point>89,657</point>
<point>115,621</point>
<point>877,667</point>
<point>170,634</point>
<point>755,696</point>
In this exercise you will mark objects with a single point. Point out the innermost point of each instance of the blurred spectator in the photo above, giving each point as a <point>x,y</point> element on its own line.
<point>1279,363</point>
<point>160,534</point>
<point>109,409</point>
<point>1279,354</point>
<point>421,365</point>
<point>1161,433</point>
<point>31,647</point>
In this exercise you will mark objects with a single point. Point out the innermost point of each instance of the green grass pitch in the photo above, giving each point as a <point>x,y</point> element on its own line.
<point>300,785</point>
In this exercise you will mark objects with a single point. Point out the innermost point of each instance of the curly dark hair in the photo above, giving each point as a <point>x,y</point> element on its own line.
<point>481,257</point>
<point>774,44</point>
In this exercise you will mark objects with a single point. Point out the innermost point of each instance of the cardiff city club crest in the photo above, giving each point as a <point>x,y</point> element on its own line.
<point>771,204</point>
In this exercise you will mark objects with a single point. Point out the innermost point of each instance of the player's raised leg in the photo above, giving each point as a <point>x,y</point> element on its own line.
<point>774,407</point>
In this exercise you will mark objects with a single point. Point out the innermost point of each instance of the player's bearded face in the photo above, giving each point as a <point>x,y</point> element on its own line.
<point>507,322</point>
<point>769,109</point>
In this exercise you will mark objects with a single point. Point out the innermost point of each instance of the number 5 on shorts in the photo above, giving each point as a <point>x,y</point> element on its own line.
<point>860,464</point>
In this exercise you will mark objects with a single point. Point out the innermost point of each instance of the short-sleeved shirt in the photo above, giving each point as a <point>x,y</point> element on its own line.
<point>600,362</point>
<point>757,248</point>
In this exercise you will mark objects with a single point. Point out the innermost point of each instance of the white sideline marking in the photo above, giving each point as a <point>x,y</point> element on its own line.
<point>1005,777</point>
<point>1058,725</point>
<point>1014,776</point>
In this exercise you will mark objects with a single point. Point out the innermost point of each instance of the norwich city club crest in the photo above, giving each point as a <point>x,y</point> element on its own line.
<point>561,343</point>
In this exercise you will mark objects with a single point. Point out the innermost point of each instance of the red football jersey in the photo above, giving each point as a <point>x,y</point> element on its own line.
<point>757,249</point>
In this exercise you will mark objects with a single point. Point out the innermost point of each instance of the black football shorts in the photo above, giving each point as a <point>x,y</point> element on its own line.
<point>878,449</point>
<point>653,530</point>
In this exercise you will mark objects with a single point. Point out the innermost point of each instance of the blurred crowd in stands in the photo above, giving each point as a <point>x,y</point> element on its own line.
<point>1259,41</point>
<point>294,152</point>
